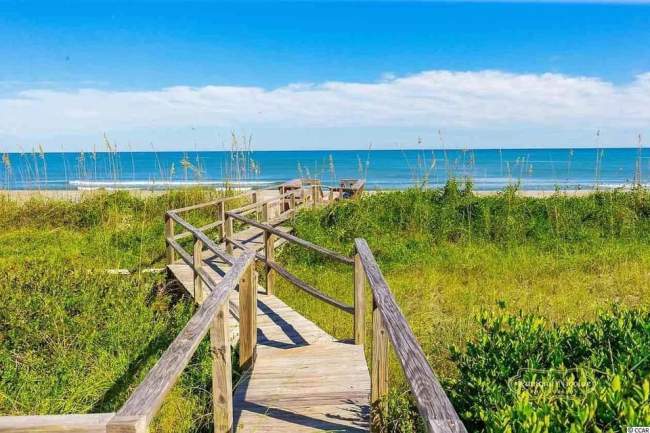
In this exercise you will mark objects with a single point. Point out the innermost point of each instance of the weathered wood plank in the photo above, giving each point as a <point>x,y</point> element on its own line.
<point>305,389</point>
<point>275,197</point>
<point>169,234</point>
<point>197,259</point>
<point>359,302</point>
<point>181,252</point>
<point>247,317</point>
<point>87,423</point>
<point>221,371</point>
<point>227,233</point>
<point>379,367</point>
<point>221,216</point>
<point>269,255</point>
<point>432,402</point>
<point>212,202</point>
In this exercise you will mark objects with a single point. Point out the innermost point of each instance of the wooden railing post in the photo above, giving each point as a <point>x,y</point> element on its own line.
<point>359,302</point>
<point>221,216</point>
<point>227,228</point>
<point>292,201</point>
<point>221,371</point>
<point>247,317</point>
<point>269,252</point>
<point>169,233</point>
<point>314,195</point>
<point>257,208</point>
<point>198,263</point>
<point>379,368</point>
<point>265,212</point>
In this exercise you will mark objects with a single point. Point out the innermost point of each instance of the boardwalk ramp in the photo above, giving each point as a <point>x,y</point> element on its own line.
<point>302,380</point>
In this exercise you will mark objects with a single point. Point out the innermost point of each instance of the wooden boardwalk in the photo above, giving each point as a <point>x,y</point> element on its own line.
<point>303,380</point>
<point>296,377</point>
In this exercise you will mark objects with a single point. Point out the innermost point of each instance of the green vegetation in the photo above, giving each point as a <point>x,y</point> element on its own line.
<point>529,309</point>
<point>523,375</point>
<point>450,255</point>
<point>76,339</point>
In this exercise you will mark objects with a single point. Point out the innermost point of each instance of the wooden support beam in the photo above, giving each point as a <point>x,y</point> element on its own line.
<point>359,302</point>
<point>314,195</point>
<point>197,264</point>
<point>221,372</point>
<point>269,253</point>
<point>127,424</point>
<point>221,216</point>
<point>265,213</point>
<point>86,423</point>
<point>247,318</point>
<point>169,234</point>
<point>227,227</point>
<point>257,207</point>
<point>283,201</point>
<point>292,201</point>
<point>379,368</point>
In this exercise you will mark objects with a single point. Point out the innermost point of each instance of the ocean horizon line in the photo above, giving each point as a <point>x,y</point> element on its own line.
<point>252,150</point>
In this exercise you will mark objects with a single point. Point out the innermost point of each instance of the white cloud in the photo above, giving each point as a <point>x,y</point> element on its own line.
<point>431,99</point>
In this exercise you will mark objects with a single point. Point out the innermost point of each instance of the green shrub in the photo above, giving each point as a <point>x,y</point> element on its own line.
<point>522,374</point>
<point>398,414</point>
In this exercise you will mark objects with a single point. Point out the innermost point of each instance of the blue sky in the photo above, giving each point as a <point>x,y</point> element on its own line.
<point>436,66</point>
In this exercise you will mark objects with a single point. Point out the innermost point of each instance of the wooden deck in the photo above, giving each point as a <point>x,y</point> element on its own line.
<point>302,380</point>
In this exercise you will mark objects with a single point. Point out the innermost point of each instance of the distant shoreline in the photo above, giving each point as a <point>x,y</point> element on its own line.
<point>76,195</point>
<point>490,170</point>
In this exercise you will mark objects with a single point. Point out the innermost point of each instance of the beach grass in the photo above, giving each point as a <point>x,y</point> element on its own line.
<point>76,338</point>
<point>450,256</point>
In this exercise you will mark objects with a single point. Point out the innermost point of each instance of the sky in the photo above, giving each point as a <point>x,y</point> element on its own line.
<point>169,75</point>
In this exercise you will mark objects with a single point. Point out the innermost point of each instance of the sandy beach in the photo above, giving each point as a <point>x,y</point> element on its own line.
<point>76,195</point>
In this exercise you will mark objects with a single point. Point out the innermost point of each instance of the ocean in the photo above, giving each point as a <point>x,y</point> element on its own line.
<point>489,169</point>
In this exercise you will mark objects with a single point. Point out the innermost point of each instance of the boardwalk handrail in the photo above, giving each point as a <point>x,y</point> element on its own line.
<point>149,395</point>
<point>257,204</point>
<point>220,205</point>
<point>212,202</point>
<point>433,404</point>
<point>293,239</point>
<point>306,287</point>
<point>198,234</point>
<point>298,282</point>
<point>314,195</point>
